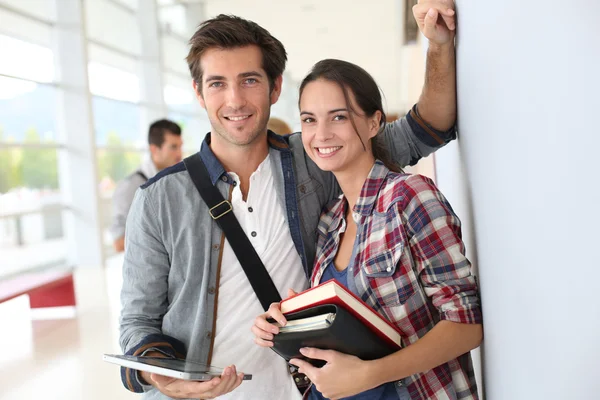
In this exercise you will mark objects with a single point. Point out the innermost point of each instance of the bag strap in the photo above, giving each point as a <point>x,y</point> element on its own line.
<point>221,212</point>
<point>141,175</point>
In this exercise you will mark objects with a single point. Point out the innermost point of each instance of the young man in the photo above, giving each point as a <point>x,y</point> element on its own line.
<point>164,140</point>
<point>184,292</point>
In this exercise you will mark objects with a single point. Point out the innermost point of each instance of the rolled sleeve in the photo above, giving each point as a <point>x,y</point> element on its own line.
<point>439,253</point>
<point>410,138</point>
<point>164,344</point>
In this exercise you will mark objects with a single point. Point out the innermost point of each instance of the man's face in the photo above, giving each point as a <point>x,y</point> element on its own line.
<point>236,95</point>
<point>169,153</point>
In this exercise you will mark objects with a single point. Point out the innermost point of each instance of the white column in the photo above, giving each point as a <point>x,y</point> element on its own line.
<point>151,82</point>
<point>77,162</point>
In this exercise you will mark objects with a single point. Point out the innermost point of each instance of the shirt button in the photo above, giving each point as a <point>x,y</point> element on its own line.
<point>208,334</point>
<point>389,269</point>
<point>250,209</point>
<point>234,183</point>
<point>224,178</point>
<point>253,234</point>
<point>302,189</point>
<point>215,247</point>
<point>211,290</point>
<point>400,384</point>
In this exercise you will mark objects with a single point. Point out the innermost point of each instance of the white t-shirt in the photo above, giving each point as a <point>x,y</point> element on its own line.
<point>238,305</point>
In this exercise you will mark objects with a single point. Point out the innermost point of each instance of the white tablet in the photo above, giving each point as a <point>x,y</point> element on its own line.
<point>172,367</point>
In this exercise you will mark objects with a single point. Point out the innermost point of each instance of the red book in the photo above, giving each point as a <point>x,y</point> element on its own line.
<point>332,292</point>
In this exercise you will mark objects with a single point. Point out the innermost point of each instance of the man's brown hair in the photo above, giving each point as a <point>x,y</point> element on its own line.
<point>228,32</point>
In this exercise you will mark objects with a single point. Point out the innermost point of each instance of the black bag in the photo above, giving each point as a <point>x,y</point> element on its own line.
<point>221,211</point>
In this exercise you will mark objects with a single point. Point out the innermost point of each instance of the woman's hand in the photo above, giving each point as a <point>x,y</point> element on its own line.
<point>342,376</point>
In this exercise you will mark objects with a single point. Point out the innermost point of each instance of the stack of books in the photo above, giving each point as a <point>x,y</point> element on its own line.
<point>330,317</point>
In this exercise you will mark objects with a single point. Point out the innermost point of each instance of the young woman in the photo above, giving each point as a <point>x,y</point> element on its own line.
<point>394,241</point>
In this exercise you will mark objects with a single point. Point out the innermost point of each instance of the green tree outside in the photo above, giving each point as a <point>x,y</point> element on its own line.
<point>115,164</point>
<point>39,167</point>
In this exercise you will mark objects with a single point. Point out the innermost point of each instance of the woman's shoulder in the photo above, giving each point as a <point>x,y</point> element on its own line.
<point>403,188</point>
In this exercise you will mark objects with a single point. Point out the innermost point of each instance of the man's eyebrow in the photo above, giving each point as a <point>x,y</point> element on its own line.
<point>249,74</point>
<point>214,78</point>
<point>242,75</point>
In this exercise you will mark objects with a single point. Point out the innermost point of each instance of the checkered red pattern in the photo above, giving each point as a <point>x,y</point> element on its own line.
<point>410,266</point>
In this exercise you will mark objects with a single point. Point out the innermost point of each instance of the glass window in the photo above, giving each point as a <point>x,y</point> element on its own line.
<point>27,112</point>
<point>31,222</point>
<point>42,9</point>
<point>117,124</point>
<point>26,60</point>
<point>194,129</point>
<point>175,50</point>
<point>32,239</point>
<point>16,25</point>
<point>114,83</point>
<point>113,25</point>
<point>114,165</point>
<point>172,17</point>
<point>180,99</point>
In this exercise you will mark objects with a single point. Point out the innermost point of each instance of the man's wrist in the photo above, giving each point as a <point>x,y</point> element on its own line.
<point>441,47</point>
<point>144,376</point>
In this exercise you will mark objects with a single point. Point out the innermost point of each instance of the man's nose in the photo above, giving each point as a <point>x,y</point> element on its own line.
<point>235,97</point>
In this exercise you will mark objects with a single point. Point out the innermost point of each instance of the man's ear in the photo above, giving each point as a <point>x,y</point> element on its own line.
<point>198,93</point>
<point>276,92</point>
<point>154,149</point>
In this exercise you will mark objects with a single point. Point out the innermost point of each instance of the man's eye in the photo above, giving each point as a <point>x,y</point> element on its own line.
<point>251,81</point>
<point>216,84</point>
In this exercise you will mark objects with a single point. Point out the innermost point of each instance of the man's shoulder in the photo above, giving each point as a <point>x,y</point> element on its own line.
<point>165,174</point>
<point>128,185</point>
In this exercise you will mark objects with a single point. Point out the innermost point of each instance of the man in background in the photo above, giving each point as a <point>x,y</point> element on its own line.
<point>164,140</point>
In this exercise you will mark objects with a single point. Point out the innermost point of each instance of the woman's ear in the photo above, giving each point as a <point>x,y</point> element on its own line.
<point>375,124</point>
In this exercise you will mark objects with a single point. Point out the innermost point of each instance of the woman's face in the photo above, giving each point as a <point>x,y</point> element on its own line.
<point>328,136</point>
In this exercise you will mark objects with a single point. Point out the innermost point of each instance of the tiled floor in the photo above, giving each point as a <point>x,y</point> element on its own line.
<point>62,359</point>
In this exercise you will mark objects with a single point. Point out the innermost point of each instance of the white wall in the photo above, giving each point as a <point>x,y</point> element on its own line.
<point>528,105</point>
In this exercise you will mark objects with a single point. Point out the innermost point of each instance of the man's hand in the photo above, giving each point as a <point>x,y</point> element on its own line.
<point>180,389</point>
<point>119,244</point>
<point>264,330</point>
<point>342,376</point>
<point>436,20</point>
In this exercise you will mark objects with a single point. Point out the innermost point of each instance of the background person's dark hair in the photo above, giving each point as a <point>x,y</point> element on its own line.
<point>366,93</point>
<point>228,32</point>
<point>158,129</point>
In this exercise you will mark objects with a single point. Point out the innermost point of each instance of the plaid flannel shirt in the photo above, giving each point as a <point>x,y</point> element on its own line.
<point>408,264</point>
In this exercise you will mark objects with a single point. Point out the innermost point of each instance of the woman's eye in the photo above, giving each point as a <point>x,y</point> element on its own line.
<point>308,120</point>
<point>339,118</point>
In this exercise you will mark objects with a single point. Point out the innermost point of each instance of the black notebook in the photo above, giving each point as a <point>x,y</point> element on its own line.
<point>329,327</point>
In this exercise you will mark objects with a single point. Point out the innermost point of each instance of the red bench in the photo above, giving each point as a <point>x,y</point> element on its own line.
<point>45,288</point>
